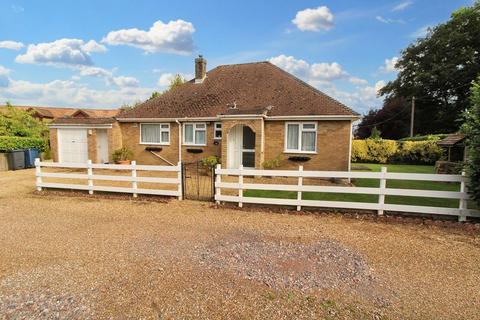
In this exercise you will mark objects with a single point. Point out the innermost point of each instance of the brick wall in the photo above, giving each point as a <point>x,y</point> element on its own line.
<point>131,139</point>
<point>92,144</point>
<point>54,144</point>
<point>333,138</point>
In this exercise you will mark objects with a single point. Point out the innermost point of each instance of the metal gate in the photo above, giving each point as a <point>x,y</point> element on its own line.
<point>198,181</point>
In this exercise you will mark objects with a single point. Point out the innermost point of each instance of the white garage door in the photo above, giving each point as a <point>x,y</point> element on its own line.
<point>73,145</point>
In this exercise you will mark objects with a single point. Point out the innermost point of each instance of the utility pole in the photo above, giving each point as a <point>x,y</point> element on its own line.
<point>412,117</point>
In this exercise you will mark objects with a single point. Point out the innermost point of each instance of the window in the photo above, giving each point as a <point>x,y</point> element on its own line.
<point>217,130</point>
<point>195,134</point>
<point>155,133</point>
<point>301,137</point>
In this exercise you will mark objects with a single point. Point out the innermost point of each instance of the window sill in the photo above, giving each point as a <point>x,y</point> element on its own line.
<point>194,145</point>
<point>299,152</point>
<point>154,144</point>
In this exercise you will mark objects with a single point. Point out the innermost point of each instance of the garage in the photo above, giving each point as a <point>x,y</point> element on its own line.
<point>73,145</point>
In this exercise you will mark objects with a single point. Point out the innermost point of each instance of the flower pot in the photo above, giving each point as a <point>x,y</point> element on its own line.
<point>123,162</point>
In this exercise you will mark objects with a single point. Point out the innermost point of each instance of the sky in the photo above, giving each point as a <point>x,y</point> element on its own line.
<point>104,54</point>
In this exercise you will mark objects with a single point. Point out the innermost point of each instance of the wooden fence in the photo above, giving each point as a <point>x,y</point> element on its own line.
<point>90,177</point>
<point>462,211</point>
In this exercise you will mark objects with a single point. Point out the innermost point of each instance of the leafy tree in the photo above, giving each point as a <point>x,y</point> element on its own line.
<point>20,123</point>
<point>438,70</point>
<point>389,120</point>
<point>176,82</point>
<point>471,128</point>
<point>154,95</point>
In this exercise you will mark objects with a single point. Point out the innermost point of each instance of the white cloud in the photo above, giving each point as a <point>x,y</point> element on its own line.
<point>421,32</point>
<point>4,77</point>
<point>63,52</point>
<point>402,5</point>
<point>120,81</point>
<point>388,20</point>
<point>70,93</point>
<point>165,78</point>
<point>12,45</point>
<point>316,20</point>
<point>324,77</point>
<point>171,37</point>
<point>389,65</point>
<point>317,71</point>
<point>123,81</point>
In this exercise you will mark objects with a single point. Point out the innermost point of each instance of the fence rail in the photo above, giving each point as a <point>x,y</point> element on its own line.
<point>462,211</point>
<point>90,177</point>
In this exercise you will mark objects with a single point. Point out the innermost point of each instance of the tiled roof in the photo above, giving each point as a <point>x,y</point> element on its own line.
<point>451,140</point>
<point>54,112</point>
<point>248,86</point>
<point>84,120</point>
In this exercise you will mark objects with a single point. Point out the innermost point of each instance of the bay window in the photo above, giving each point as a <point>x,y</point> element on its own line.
<point>301,137</point>
<point>155,133</point>
<point>195,134</point>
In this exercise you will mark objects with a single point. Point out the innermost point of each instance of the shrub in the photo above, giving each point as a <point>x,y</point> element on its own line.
<point>434,137</point>
<point>8,143</point>
<point>122,154</point>
<point>383,151</point>
<point>273,163</point>
<point>210,161</point>
<point>418,152</point>
<point>373,150</point>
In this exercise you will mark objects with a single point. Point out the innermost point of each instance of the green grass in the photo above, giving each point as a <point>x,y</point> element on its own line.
<point>399,184</point>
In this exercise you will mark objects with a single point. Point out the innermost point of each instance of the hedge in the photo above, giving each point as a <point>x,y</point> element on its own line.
<point>8,143</point>
<point>427,137</point>
<point>391,151</point>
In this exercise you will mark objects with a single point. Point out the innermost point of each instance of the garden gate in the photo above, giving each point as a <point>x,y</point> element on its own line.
<point>198,181</point>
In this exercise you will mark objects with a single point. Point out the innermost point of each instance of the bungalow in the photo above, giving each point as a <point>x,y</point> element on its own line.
<point>246,114</point>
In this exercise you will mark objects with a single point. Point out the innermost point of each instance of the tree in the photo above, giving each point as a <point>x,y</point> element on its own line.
<point>471,128</point>
<point>21,123</point>
<point>176,82</point>
<point>392,120</point>
<point>154,95</point>
<point>438,70</point>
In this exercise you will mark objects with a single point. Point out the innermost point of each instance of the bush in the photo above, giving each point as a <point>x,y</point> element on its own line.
<point>8,143</point>
<point>122,154</point>
<point>418,152</point>
<point>273,163</point>
<point>434,137</point>
<point>383,151</point>
<point>210,161</point>
<point>373,150</point>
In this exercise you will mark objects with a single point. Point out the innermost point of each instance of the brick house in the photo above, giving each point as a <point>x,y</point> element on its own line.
<point>245,114</point>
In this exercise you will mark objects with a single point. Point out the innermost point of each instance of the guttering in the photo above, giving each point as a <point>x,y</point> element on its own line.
<point>166,119</point>
<point>313,117</point>
<point>79,126</point>
<point>242,116</point>
<point>179,140</point>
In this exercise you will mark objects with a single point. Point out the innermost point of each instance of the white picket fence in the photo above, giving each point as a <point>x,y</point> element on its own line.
<point>462,211</point>
<point>90,177</point>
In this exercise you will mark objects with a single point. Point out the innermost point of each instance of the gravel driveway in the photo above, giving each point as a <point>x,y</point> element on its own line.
<point>65,256</point>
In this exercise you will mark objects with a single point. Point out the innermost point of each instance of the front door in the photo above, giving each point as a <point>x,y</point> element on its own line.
<point>102,146</point>
<point>241,147</point>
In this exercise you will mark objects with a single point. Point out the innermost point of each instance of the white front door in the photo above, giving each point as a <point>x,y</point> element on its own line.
<point>235,143</point>
<point>102,146</point>
<point>72,145</point>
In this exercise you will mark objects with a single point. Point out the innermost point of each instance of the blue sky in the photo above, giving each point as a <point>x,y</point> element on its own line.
<point>102,54</point>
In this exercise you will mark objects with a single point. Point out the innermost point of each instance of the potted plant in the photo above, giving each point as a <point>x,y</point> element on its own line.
<point>122,156</point>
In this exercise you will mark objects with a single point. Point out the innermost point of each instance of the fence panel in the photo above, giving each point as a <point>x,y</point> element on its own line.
<point>90,177</point>
<point>382,191</point>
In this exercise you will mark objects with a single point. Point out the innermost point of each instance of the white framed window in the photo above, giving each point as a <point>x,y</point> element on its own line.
<point>195,134</point>
<point>301,137</point>
<point>217,131</point>
<point>155,133</point>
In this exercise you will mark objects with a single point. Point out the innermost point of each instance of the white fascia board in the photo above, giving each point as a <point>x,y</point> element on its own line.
<point>319,117</point>
<point>186,119</point>
<point>80,126</point>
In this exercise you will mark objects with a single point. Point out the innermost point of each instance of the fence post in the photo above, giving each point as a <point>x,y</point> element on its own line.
<point>240,186</point>
<point>463,202</point>
<point>38,172</point>
<point>299,192</point>
<point>218,180</point>
<point>381,196</point>
<point>134,180</point>
<point>90,173</point>
<point>179,178</point>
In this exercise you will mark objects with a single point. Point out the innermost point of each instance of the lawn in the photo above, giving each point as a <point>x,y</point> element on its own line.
<point>400,184</point>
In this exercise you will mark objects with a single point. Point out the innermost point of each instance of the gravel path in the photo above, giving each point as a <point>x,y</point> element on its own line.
<point>74,256</point>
